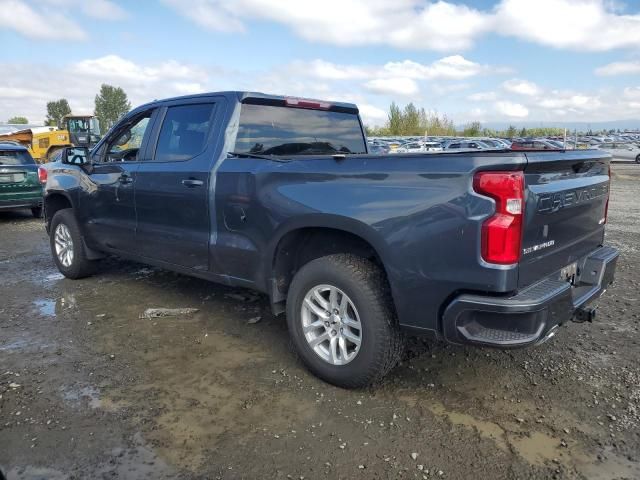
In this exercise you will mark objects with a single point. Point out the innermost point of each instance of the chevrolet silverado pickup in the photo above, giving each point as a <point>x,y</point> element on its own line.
<point>489,248</point>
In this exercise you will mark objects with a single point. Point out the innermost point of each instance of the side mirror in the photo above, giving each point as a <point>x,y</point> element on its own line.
<point>75,156</point>
<point>124,138</point>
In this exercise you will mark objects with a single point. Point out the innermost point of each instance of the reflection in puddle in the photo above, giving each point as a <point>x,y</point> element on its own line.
<point>79,395</point>
<point>35,473</point>
<point>46,307</point>
<point>51,308</point>
<point>54,277</point>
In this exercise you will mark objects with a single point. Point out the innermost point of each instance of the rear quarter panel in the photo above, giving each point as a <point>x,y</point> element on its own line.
<point>418,211</point>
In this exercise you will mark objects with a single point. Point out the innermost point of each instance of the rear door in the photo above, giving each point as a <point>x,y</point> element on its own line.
<point>173,187</point>
<point>566,198</point>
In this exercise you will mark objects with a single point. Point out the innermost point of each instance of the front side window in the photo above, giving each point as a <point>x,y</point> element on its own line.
<point>15,157</point>
<point>184,132</point>
<point>279,130</point>
<point>127,140</point>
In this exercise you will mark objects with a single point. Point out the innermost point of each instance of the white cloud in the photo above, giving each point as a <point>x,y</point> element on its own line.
<point>569,100</point>
<point>393,86</point>
<point>511,109</point>
<point>483,96</point>
<point>214,15</point>
<point>455,67</point>
<point>102,9</point>
<point>521,87</point>
<point>586,25</point>
<point>114,67</point>
<point>632,93</point>
<point>619,68</point>
<point>439,25</point>
<point>44,23</point>
<point>331,71</point>
<point>372,115</point>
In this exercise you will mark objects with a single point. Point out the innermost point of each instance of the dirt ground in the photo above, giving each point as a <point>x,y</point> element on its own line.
<point>89,389</point>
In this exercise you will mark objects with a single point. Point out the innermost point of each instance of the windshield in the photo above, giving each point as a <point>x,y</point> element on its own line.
<point>273,130</point>
<point>15,157</point>
<point>82,125</point>
<point>95,125</point>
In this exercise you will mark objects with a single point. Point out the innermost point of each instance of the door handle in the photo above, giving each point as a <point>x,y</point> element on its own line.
<point>125,179</point>
<point>192,182</point>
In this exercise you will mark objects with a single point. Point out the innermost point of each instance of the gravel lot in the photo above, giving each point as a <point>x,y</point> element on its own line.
<point>89,389</point>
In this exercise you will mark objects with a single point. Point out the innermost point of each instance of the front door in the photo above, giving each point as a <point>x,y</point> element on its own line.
<point>109,202</point>
<point>173,188</point>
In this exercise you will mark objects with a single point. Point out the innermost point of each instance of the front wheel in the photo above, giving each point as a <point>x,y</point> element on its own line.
<point>638,159</point>
<point>67,246</point>
<point>342,322</point>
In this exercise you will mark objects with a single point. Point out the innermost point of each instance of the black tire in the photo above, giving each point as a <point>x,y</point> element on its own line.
<point>365,284</point>
<point>638,159</point>
<point>80,265</point>
<point>37,212</point>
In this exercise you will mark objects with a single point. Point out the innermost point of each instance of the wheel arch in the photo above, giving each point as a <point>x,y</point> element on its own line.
<point>314,237</point>
<point>54,202</point>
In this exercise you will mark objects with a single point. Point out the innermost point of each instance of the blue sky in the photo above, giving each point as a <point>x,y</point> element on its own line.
<point>501,60</point>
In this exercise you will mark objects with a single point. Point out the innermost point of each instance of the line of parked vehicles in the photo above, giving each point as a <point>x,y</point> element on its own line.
<point>622,147</point>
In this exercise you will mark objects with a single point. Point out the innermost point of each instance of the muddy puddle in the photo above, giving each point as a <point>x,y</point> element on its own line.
<point>540,449</point>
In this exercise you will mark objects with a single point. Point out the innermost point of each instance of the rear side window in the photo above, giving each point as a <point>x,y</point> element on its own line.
<point>274,130</point>
<point>184,132</point>
<point>15,157</point>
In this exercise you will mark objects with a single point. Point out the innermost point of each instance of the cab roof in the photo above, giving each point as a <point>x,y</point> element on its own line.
<point>246,97</point>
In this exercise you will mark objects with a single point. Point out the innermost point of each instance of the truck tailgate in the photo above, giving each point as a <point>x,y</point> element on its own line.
<point>566,199</point>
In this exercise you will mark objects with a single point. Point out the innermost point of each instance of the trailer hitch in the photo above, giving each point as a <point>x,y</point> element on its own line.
<point>584,315</point>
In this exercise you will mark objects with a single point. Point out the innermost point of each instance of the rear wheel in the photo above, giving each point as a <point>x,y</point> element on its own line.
<point>67,246</point>
<point>638,159</point>
<point>342,322</point>
<point>37,212</point>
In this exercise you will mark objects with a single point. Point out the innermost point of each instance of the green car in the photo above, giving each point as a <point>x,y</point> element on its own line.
<point>20,179</point>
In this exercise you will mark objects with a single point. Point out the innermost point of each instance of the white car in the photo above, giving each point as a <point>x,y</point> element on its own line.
<point>419,147</point>
<point>622,151</point>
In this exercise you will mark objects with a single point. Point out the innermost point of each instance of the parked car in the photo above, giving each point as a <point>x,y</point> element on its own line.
<point>20,186</point>
<point>419,147</point>
<point>534,145</point>
<point>280,195</point>
<point>622,151</point>
<point>378,149</point>
<point>467,144</point>
<point>411,147</point>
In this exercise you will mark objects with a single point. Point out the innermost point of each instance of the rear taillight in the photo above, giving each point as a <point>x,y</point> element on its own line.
<point>42,175</point>
<point>502,232</point>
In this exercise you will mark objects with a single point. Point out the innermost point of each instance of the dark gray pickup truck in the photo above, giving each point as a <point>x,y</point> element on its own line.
<point>491,248</point>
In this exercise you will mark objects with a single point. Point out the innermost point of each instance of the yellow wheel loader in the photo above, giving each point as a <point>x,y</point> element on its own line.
<point>44,142</point>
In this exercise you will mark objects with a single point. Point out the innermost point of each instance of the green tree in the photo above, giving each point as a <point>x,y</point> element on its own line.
<point>411,121</point>
<point>111,104</point>
<point>395,120</point>
<point>56,110</point>
<point>523,132</point>
<point>18,120</point>
<point>472,129</point>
